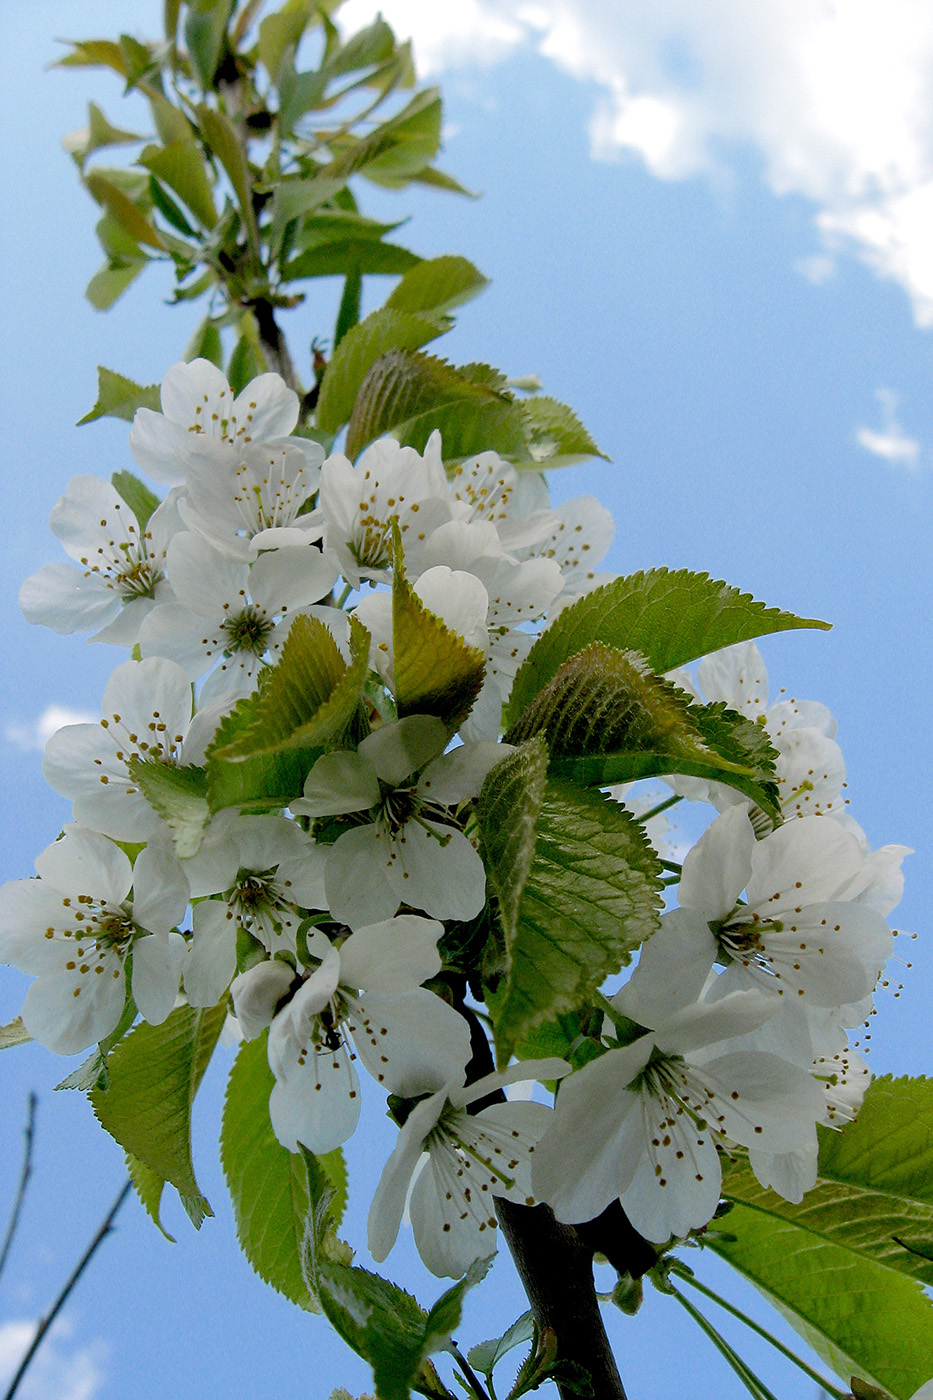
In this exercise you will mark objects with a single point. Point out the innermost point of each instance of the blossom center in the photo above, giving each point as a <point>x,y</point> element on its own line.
<point>248,631</point>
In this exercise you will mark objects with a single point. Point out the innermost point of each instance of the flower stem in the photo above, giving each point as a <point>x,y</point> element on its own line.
<point>746,1375</point>
<point>645,817</point>
<point>469,1375</point>
<point>761,1331</point>
<point>45,1322</point>
<point>24,1175</point>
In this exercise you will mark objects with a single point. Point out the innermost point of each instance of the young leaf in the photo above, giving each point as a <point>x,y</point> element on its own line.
<point>205,31</point>
<point>670,616</point>
<point>124,210</point>
<point>280,31</point>
<point>436,671</point>
<point>205,344</point>
<point>141,501</point>
<point>154,1074</point>
<point>608,718</point>
<point>268,1185</point>
<point>181,167</point>
<point>410,395</point>
<point>485,1356</point>
<point>222,139</point>
<point>374,44</point>
<point>118,397</point>
<point>361,347</point>
<point>93,53</point>
<point>149,1188</point>
<point>556,437</point>
<point>101,133</point>
<point>111,281</point>
<point>574,908</point>
<point>437,284</point>
<point>337,258</point>
<point>179,794</point>
<point>264,749</point>
<point>13,1033</point>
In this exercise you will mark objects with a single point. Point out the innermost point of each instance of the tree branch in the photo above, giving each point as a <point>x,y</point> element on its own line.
<point>274,345</point>
<point>24,1175</point>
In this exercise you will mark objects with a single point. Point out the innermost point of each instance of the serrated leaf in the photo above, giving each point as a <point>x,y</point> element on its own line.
<point>337,258</point>
<point>576,907</point>
<point>179,795</point>
<point>859,1302</point>
<point>670,616</point>
<point>128,214</point>
<point>13,1033</point>
<point>556,437</point>
<point>411,394</point>
<point>180,165</point>
<point>119,397</point>
<point>264,749</point>
<point>154,1074</point>
<point>221,137</point>
<point>149,1188</point>
<point>437,284</point>
<point>374,44</point>
<point>609,718</point>
<point>436,671</point>
<point>360,348</point>
<point>268,1185</point>
<point>485,1356</point>
<point>110,282</point>
<point>141,501</point>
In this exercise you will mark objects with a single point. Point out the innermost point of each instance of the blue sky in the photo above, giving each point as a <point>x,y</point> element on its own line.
<point>710,237</point>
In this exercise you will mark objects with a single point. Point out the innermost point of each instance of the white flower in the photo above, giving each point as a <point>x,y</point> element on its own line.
<point>147,711</point>
<point>253,503</point>
<point>119,571</point>
<point>643,1123</point>
<point>367,995</point>
<point>403,791</point>
<point>231,612</point>
<point>269,872</point>
<point>465,1161</point>
<point>358,503</point>
<point>198,403</point>
<point>74,927</point>
<point>799,934</point>
<point>810,770</point>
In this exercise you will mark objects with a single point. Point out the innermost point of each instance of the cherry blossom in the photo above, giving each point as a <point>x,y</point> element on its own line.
<point>74,927</point>
<point>450,1164</point>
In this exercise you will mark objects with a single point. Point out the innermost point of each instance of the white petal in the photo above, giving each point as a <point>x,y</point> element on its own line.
<point>157,964</point>
<point>388,1204</point>
<point>84,862</point>
<point>257,992</point>
<point>403,747</point>
<point>359,890</point>
<point>393,956</point>
<point>68,1011</point>
<point>717,869</point>
<point>211,960</point>
<point>63,597</point>
<point>411,1044</point>
<point>459,774</point>
<point>339,782</point>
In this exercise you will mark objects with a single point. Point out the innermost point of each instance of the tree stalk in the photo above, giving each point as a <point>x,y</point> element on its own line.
<point>274,345</point>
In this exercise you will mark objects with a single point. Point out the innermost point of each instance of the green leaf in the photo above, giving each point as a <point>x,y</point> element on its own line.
<point>609,718</point>
<point>436,671</point>
<point>556,437</point>
<point>348,313</point>
<point>337,258</point>
<point>149,1188</point>
<point>359,350</point>
<point>110,282</point>
<point>374,44</point>
<point>154,1074</point>
<point>415,138</point>
<point>205,344</point>
<point>670,616</point>
<point>221,137</point>
<point>124,210</point>
<point>205,32</point>
<point>578,888</point>
<point>845,1265</point>
<point>119,397</point>
<point>264,749</point>
<point>13,1033</point>
<point>485,1356</point>
<point>170,122</point>
<point>141,501</point>
<point>101,133</point>
<point>93,53</point>
<point>179,795</point>
<point>410,395</point>
<point>296,198</point>
<point>244,363</point>
<point>437,284</point>
<point>181,167</point>
<point>268,1184</point>
<point>282,30</point>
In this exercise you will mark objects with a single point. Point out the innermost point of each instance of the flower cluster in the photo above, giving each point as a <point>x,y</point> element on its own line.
<point>324,920</point>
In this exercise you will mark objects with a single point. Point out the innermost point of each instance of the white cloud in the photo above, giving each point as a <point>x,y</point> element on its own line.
<point>891,444</point>
<point>36,733</point>
<point>59,1370</point>
<point>835,96</point>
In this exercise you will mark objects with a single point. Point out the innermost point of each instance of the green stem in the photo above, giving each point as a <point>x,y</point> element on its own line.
<point>469,1375</point>
<point>746,1375</point>
<point>344,595</point>
<point>762,1332</point>
<point>661,807</point>
<point>671,865</point>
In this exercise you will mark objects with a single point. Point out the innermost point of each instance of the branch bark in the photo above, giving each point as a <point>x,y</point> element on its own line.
<point>275,346</point>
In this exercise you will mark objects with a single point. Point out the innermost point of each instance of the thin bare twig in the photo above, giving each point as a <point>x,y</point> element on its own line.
<point>45,1322</point>
<point>24,1175</point>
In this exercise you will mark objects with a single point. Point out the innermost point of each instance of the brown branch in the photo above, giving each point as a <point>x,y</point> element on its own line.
<point>24,1175</point>
<point>274,345</point>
